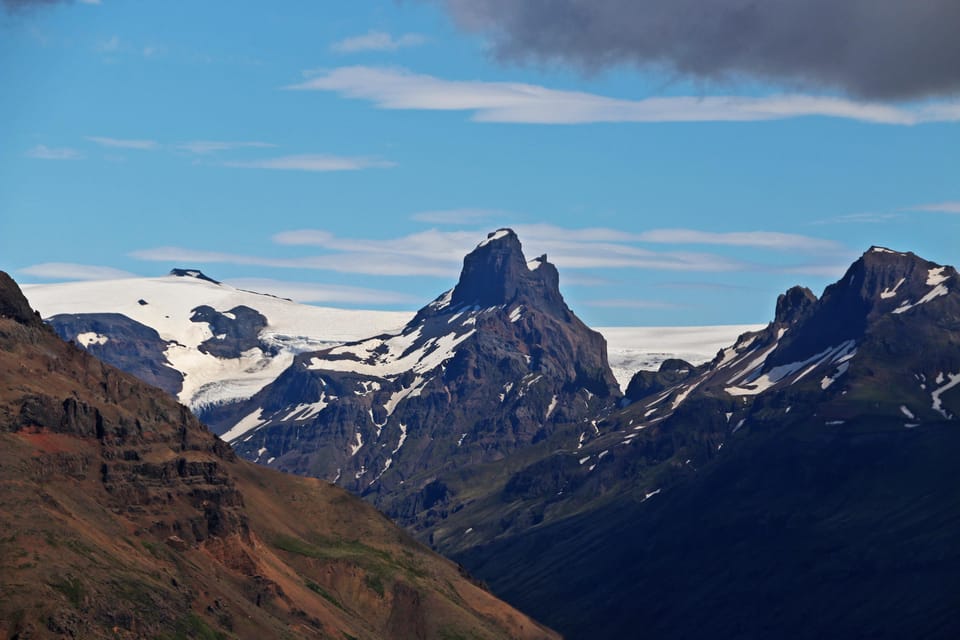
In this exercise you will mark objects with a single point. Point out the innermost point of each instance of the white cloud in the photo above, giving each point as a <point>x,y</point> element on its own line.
<point>124,143</point>
<point>939,207</point>
<point>630,303</point>
<point>862,218</point>
<point>440,253</point>
<point>394,88</point>
<point>346,262</point>
<point>203,147</point>
<point>43,152</point>
<point>73,271</point>
<point>756,239</point>
<point>460,216</point>
<point>323,293</point>
<point>89,1</point>
<point>377,41</point>
<point>313,162</point>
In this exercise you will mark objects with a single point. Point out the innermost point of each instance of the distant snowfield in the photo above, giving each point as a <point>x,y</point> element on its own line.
<point>632,349</point>
<point>291,327</point>
<point>297,328</point>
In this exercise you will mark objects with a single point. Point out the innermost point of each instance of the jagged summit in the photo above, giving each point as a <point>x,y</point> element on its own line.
<point>793,304</point>
<point>13,304</point>
<point>497,273</point>
<point>192,273</point>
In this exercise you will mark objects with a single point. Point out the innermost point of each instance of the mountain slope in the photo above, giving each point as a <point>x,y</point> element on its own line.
<point>122,516</point>
<point>203,341</point>
<point>487,370</point>
<point>798,486</point>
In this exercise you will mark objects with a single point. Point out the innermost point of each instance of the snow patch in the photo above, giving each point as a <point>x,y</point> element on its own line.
<point>752,386</point>
<point>936,395</point>
<point>890,293</point>
<point>496,235</point>
<point>357,444</point>
<point>248,423</point>
<point>308,411</point>
<point>91,338</point>
<point>553,405</point>
<point>402,439</point>
<point>936,292</point>
<point>935,276</point>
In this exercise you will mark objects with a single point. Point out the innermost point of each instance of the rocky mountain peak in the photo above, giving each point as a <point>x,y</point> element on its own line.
<point>13,304</point>
<point>192,273</point>
<point>496,273</point>
<point>883,279</point>
<point>793,304</point>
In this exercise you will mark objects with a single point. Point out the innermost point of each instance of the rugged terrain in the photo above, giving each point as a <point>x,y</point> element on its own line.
<point>415,420</point>
<point>122,516</point>
<point>798,485</point>
<point>801,485</point>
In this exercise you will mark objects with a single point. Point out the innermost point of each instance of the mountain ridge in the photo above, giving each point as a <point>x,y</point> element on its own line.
<point>123,516</point>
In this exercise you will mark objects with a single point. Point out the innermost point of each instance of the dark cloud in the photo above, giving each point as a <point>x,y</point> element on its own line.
<point>882,49</point>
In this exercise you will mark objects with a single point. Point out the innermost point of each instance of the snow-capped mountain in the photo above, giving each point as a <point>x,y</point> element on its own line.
<point>203,341</point>
<point>821,447</point>
<point>496,364</point>
<point>880,344</point>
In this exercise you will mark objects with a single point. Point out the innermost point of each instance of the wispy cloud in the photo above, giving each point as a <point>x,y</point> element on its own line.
<point>43,152</point>
<point>124,143</point>
<point>360,262</point>
<point>323,293</point>
<point>313,162</point>
<point>630,303</point>
<point>440,253</point>
<point>512,102</point>
<point>204,147</point>
<point>755,239</point>
<point>861,218</point>
<point>74,271</point>
<point>938,207</point>
<point>377,41</point>
<point>460,216</point>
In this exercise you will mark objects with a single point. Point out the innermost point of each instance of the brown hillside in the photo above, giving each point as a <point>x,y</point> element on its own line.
<point>121,516</point>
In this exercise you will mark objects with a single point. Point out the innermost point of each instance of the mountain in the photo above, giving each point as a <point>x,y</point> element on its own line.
<point>800,485</point>
<point>122,516</point>
<point>203,341</point>
<point>415,420</point>
<point>158,341</point>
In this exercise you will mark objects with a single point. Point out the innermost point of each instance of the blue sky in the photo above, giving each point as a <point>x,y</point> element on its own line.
<point>350,153</point>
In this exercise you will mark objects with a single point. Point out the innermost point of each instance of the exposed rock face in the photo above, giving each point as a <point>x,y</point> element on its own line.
<point>193,273</point>
<point>497,364</point>
<point>234,331</point>
<point>672,371</point>
<point>12,303</point>
<point>123,343</point>
<point>123,516</point>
